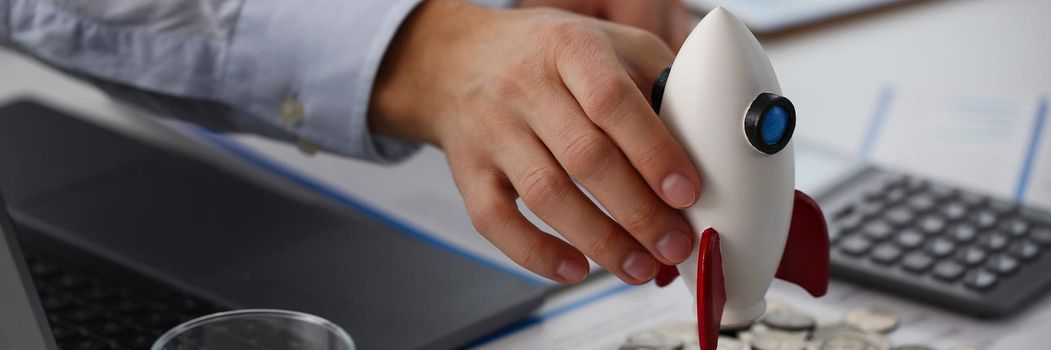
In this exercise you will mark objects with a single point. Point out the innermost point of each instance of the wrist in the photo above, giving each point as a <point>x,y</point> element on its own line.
<point>414,87</point>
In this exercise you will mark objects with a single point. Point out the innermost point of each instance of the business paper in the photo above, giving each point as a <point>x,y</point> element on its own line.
<point>988,141</point>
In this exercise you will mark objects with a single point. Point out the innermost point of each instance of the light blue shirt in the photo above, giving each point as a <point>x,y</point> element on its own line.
<point>296,70</point>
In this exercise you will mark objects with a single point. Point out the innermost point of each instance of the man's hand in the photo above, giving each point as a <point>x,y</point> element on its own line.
<point>669,19</point>
<point>524,102</point>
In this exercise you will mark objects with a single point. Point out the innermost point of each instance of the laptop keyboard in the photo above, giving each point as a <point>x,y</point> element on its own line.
<point>89,312</point>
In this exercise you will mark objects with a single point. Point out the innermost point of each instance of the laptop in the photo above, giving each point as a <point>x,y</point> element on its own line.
<point>22,324</point>
<point>124,240</point>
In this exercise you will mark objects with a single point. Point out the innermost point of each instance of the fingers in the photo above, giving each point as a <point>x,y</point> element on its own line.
<point>591,158</point>
<point>490,201</point>
<point>614,103</point>
<point>643,54</point>
<point>547,191</point>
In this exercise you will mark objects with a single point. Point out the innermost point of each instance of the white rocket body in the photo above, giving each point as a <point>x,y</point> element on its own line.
<point>748,195</point>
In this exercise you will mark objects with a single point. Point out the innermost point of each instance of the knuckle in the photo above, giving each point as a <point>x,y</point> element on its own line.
<point>485,217</point>
<point>542,187</point>
<point>653,156</point>
<point>587,156</point>
<point>640,217</point>
<point>603,243</point>
<point>530,254</point>
<point>606,103</point>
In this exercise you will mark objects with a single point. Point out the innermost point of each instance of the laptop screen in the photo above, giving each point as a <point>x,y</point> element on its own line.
<point>22,324</point>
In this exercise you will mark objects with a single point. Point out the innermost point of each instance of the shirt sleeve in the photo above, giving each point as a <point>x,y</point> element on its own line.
<point>300,71</point>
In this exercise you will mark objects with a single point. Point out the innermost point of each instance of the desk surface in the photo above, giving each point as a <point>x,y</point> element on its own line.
<point>832,71</point>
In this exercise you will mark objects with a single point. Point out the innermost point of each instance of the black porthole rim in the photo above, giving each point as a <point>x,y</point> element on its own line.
<point>757,113</point>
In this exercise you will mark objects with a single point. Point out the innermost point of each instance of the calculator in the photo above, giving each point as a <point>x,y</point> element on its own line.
<point>942,245</point>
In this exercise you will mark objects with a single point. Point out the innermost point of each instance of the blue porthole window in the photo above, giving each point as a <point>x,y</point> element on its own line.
<point>769,123</point>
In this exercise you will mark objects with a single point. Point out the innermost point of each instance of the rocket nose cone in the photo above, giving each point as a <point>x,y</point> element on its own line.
<point>722,20</point>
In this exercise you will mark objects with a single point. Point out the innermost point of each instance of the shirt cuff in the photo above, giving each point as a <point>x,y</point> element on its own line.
<point>307,68</point>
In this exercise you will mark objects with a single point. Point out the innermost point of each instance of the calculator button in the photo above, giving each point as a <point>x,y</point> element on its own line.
<point>886,253</point>
<point>940,247</point>
<point>954,211</point>
<point>963,233</point>
<point>855,245</point>
<point>843,212</point>
<point>932,225</point>
<point>940,191</point>
<point>922,202</point>
<point>870,209</point>
<point>1024,250</point>
<point>1002,207</point>
<point>913,184</point>
<point>972,199</point>
<point>917,262</point>
<point>877,230</point>
<point>849,223</point>
<point>993,241</point>
<point>895,195</point>
<point>1002,264</point>
<point>948,270</point>
<point>1042,235</point>
<point>971,256</point>
<point>980,279</point>
<point>985,219</point>
<point>900,216</point>
<point>909,239</point>
<point>1015,227</point>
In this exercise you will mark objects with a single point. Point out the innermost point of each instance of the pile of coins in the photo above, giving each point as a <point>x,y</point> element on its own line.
<point>783,328</point>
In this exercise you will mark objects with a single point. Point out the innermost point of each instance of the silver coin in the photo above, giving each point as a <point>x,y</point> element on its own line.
<point>725,343</point>
<point>649,339</point>
<point>762,328</point>
<point>685,331</point>
<point>789,320</point>
<point>967,347</point>
<point>851,341</point>
<point>825,331</point>
<point>913,347</point>
<point>873,319</point>
<point>773,340</point>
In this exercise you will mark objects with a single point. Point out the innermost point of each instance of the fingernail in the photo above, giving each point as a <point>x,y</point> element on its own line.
<point>640,266</point>
<point>674,246</point>
<point>678,190</point>
<point>570,271</point>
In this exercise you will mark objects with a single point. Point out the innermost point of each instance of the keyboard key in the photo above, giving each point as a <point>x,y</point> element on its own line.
<point>954,211</point>
<point>994,241</point>
<point>985,219</point>
<point>128,307</point>
<point>940,247</point>
<point>72,282</point>
<point>1002,264</point>
<point>855,245</point>
<point>109,329</point>
<point>63,333</point>
<point>85,315</point>
<point>57,302</point>
<point>1024,250</point>
<point>948,270</point>
<point>41,270</point>
<point>869,210</point>
<point>971,256</point>
<point>932,225</point>
<point>844,212</point>
<point>923,202</point>
<point>1015,227</point>
<point>963,233</point>
<point>980,279</point>
<point>917,262</point>
<point>877,230</point>
<point>909,239</point>
<point>886,254</point>
<point>900,216</point>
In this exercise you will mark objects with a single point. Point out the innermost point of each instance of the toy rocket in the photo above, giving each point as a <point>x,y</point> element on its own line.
<point>721,100</point>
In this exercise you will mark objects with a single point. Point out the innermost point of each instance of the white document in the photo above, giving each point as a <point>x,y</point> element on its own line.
<point>992,142</point>
<point>605,322</point>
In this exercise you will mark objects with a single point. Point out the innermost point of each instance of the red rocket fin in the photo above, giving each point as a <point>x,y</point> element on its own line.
<point>805,259</point>
<point>711,292</point>
<point>666,275</point>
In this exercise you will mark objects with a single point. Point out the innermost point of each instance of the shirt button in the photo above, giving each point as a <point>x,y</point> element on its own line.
<point>307,147</point>
<point>291,111</point>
